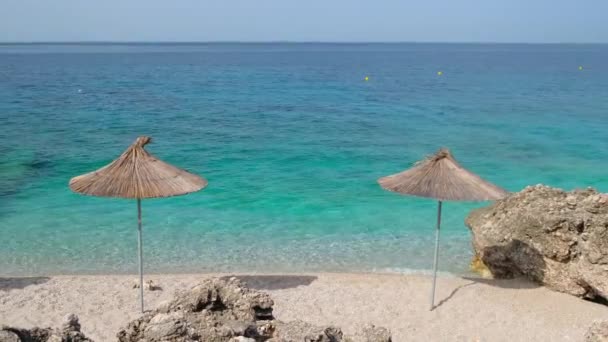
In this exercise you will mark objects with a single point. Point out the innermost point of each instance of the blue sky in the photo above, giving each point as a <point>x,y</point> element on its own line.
<point>305,20</point>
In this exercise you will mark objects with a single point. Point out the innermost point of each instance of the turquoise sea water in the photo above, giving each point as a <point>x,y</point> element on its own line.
<point>291,139</point>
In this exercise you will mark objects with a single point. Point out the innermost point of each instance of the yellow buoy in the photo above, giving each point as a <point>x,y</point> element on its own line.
<point>367,78</point>
<point>439,73</point>
<point>580,67</point>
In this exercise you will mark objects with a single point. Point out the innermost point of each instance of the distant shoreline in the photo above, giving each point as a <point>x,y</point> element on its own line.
<point>389,273</point>
<point>288,42</point>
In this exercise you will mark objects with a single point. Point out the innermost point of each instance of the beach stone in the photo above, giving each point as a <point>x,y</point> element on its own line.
<point>556,238</point>
<point>242,339</point>
<point>226,310</point>
<point>372,333</point>
<point>302,331</point>
<point>149,285</point>
<point>598,332</point>
<point>69,332</point>
<point>71,323</point>
<point>8,336</point>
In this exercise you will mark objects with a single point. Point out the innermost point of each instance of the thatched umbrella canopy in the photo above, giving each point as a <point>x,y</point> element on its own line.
<point>137,174</point>
<point>441,177</point>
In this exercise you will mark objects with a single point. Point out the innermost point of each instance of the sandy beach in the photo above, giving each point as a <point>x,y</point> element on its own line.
<point>469,309</point>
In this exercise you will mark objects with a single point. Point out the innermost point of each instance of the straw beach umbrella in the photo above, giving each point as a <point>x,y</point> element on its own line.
<point>441,177</point>
<point>137,174</point>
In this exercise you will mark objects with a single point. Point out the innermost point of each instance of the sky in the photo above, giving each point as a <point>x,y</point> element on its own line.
<point>524,21</point>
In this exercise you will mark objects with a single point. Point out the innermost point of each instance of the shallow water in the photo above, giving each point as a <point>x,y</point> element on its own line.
<point>291,139</point>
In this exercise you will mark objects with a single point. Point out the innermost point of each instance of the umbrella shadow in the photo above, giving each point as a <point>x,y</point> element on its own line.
<point>274,282</point>
<point>21,282</point>
<point>441,302</point>
<point>516,265</point>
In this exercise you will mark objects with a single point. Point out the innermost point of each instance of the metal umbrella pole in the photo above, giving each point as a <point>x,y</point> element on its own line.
<point>141,259</point>
<point>436,255</point>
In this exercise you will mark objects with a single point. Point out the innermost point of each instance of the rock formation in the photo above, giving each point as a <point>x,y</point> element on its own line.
<point>216,310</point>
<point>69,332</point>
<point>301,331</point>
<point>556,238</point>
<point>148,285</point>
<point>219,310</point>
<point>598,332</point>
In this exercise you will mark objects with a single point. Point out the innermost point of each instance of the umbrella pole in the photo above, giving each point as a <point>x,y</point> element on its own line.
<point>141,261</point>
<point>436,255</point>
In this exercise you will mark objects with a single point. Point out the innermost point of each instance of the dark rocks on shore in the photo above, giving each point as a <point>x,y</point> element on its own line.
<point>556,238</point>
<point>69,332</point>
<point>218,310</point>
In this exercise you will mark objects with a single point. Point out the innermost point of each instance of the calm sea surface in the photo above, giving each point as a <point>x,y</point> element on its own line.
<point>292,139</point>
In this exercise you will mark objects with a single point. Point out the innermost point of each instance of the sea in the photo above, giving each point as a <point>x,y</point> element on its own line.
<point>292,138</point>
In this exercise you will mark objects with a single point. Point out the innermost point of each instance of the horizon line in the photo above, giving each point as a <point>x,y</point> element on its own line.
<point>167,42</point>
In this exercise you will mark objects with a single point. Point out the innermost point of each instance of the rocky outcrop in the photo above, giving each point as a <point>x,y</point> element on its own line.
<point>69,332</point>
<point>215,310</point>
<point>598,332</point>
<point>218,310</point>
<point>301,331</point>
<point>372,333</point>
<point>556,238</point>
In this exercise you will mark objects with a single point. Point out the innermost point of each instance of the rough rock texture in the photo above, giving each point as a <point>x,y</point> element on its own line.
<point>371,333</point>
<point>553,237</point>
<point>213,311</point>
<point>219,310</point>
<point>8,336</point>
<point>148,285</point>
<point>598,332</point>
<point>301,331</point>
<point>69,332</point>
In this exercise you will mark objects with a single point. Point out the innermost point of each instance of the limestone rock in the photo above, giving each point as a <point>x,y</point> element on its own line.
<point>598,332</point>
<point>149,285</point>
<point>242,339</point>
<point>220,310</point>
<point>299,331</point>
<point>69,332</point>
<point>371,333</point>
<point>8,336</point>
<point>479,267</point>
<point>215,310</point>
<point>556,238</point>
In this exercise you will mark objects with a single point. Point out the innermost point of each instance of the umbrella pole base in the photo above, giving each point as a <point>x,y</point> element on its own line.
<point>436,258</point>
<point>140,254</point>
